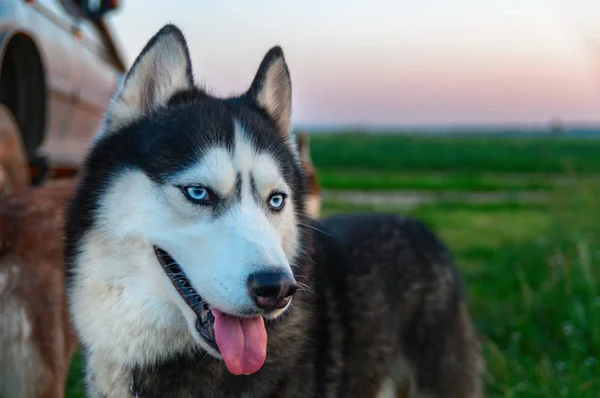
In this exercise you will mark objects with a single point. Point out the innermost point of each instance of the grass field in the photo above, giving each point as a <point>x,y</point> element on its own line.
<point>531,270</point>
<point>371,180</point>
<point>463,153</point>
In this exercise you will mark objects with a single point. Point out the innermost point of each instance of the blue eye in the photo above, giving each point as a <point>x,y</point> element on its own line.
<point>197,194</point>
<point>277,201</point>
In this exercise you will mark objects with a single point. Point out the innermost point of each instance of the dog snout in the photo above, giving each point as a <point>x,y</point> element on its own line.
<point>271,290</point>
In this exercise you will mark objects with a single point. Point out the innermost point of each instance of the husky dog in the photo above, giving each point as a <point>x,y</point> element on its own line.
<point>193,270</point>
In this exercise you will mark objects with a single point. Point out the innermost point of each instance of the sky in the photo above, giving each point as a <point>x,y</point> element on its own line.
<point>395,62</point>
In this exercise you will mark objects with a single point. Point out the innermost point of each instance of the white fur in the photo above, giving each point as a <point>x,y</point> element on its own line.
<point>21,363</point>
<point>114,377</point>
<point>21,366</point>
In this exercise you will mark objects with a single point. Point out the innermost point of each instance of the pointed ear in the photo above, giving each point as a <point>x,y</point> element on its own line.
<point>272,89</point>
<point>162,69</point>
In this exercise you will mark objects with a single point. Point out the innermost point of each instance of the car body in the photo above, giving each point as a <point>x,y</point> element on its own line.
<point>59,67</point>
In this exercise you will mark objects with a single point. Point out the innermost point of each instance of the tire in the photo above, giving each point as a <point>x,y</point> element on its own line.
<point>14,170</point>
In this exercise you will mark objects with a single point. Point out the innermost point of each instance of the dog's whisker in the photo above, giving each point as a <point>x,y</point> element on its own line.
<point>314,228</point>
<point>318,221</point>
<point>304,287</point>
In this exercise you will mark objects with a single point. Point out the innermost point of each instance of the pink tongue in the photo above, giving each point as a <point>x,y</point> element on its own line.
<point>242,342</point>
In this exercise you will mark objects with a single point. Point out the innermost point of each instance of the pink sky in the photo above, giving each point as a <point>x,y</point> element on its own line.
<point>397,62</point>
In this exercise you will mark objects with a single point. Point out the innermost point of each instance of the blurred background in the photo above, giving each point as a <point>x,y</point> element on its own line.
<point>397,65</point>
<point>480,117</point>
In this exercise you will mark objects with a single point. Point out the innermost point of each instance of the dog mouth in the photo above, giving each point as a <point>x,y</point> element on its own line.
<point>206,321</point>
<point>242,342</point>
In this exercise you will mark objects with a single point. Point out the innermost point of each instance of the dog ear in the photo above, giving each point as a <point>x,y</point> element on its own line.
<point>272,90</point>
<point>162,69</point>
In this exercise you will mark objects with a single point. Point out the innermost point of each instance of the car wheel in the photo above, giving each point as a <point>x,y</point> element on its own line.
<point>14,171</point>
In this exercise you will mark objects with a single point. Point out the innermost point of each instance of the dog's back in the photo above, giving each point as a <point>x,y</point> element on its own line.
<point>36,338</point>
<point>392,291</point>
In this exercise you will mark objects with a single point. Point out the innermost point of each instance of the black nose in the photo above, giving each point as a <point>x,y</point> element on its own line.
<point>271,290</point>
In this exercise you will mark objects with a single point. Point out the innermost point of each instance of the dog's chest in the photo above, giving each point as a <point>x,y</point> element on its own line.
<point>207,379</point>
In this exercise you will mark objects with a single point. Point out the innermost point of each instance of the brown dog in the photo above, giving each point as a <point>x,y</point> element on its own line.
<point>36,337</point>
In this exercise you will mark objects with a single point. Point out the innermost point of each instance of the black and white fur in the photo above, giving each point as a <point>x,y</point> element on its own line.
<point>379,307</point>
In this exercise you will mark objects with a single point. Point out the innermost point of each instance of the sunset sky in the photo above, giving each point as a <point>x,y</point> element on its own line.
<point>410,63</point>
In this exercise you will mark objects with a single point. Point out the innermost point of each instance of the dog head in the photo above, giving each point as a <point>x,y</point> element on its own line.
<point>186,228</point>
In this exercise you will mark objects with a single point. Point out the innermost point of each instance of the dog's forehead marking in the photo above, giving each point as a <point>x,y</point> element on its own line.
<point>244,152</point>
<point>259,170</point>
<point>241,170</point>
<point>244,155</point>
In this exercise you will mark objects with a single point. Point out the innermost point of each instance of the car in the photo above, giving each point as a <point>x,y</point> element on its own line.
<point>59,67</point>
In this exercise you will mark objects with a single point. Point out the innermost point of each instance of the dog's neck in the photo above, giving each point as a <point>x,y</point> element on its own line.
<point>185,373</point>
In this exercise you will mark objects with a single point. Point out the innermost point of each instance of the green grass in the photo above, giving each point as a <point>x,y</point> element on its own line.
<point>75,386</point>
<point>427,181</point>
<point>472,153</point>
